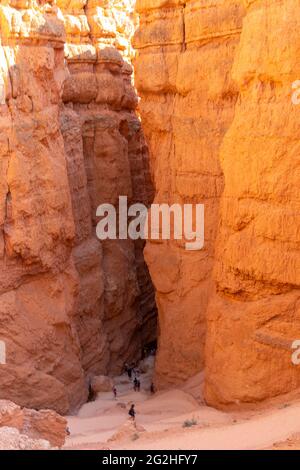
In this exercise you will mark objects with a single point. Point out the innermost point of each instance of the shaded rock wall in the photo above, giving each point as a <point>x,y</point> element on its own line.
<point>70,306</point>
<point>99,95</point>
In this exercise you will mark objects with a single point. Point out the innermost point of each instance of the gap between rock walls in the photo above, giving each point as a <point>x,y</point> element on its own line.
<point>73,307</point>
<point>74,135</point>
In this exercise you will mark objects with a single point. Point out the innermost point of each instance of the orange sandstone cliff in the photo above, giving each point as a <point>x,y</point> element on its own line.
<point>70,306</point>
<point>185,56</point>
<point>215,83</point>
<point>215,79</point>
<point>254,316</point>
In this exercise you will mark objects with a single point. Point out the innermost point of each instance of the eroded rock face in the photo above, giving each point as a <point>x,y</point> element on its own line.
<point>185,55</point>
<point>100,104</point>
<point>254,316</point>
<point>215,83</point>
<point>43,424</point>
<point>70,306</point>
<point>38,280</point>
<point>241,293</point>
<point>12,439</point>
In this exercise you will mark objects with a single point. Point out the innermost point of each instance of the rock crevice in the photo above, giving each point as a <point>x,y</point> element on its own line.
<point>71,306</point>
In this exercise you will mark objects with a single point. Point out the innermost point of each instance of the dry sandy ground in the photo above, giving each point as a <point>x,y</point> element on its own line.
<point>104,424</point>
<point>292,443</point>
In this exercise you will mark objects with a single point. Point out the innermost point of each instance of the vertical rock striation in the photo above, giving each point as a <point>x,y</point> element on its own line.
<point>215,83</point>
<point>70,306</point>
<point>38,280</point>
<point>185,55</point>
<point>253,318</point>
<point>99,96</point>
<point>239,157</point>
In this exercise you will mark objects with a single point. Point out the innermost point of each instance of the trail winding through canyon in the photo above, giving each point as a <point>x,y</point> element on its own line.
<point>103,424</point>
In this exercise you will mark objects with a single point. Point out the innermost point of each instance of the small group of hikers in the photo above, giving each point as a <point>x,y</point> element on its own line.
<point>132,411</point>
<point>134,373</point>
<point>132,370</point>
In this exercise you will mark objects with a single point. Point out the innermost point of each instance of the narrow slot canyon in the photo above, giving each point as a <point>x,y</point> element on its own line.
<point>72,306</point>
<point>165,102</point>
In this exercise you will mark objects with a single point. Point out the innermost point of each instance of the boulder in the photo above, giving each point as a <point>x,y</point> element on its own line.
<point>102,383</point>
<point>11,415</point>
<point>126,431</point>
<point>44,424</point>
<point>12,439</point>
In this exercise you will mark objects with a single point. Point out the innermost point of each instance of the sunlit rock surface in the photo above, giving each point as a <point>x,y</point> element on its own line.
<point>217,112</point>
<point>185,55</point>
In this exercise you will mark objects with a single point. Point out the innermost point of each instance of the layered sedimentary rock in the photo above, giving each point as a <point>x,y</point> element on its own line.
<point>100,108</point>
<point>240,294</point>
<point>215,82</point>
<point>44,424</point>
<point>39,282</point>
<point>70,306</point>
<point>254,317</point>
<point>185,55</point>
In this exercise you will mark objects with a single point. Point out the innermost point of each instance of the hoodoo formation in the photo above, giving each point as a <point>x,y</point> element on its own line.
<point>216,125</point>
<point>70,306</point>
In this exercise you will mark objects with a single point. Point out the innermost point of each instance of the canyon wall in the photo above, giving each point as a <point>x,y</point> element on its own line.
<point>70,306</point>
<point>215,79</point>
<point>254,317</point>
<point>185,55</point>
<point>217,112</point>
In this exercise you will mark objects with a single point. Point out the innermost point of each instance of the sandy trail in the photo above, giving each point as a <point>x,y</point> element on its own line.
<point>162,416</point>
<point>258,433</point>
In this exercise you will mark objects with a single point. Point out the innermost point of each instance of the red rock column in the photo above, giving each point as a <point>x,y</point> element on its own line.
<point>185,54</point>
<point>99,96</point>
<point>254,316</point>
<point>70,306</point>
<point>38,280</point>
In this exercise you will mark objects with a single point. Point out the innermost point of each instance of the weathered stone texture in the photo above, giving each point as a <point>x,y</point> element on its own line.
<point>185,55</point>
<point>70,306</point>
<point>217,113</point>
<point>253,318</point>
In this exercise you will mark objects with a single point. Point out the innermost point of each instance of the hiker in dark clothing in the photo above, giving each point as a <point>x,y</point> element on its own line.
<point>92,395</point>
<point>135,384</point>
<point>128,369</point>
<point>132,413</point>
<point>152,389</point>
<point>115,392</point>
